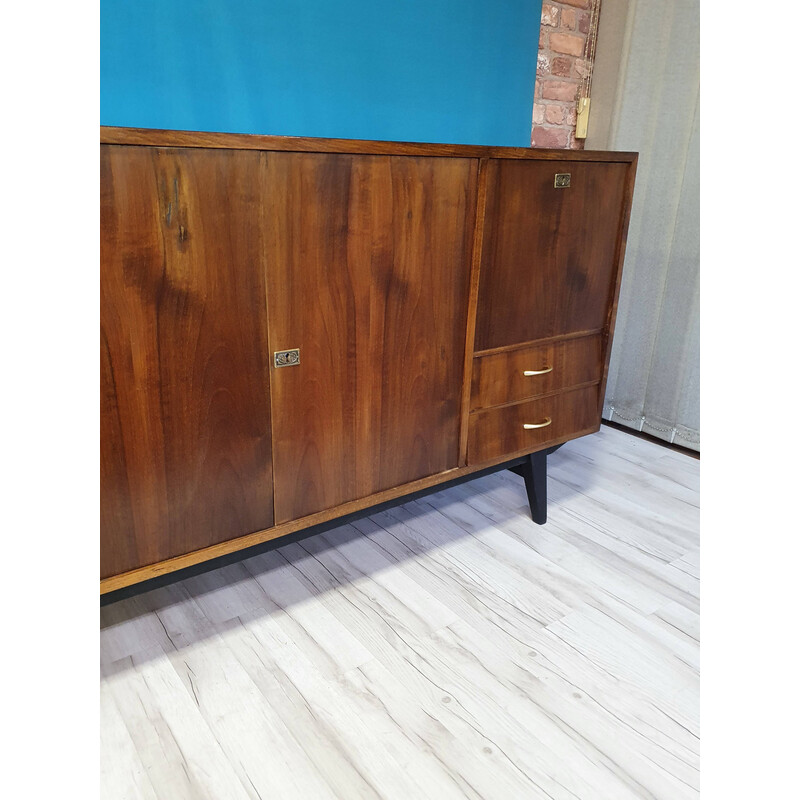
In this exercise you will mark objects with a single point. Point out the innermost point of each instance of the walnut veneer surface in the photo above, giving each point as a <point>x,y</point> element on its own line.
<point>419,283</point>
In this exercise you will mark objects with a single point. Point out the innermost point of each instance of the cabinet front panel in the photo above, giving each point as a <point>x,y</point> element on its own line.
<point>368,261</point>
<point>498,432</point>
<point>548,260</point>
<point>185,445</point>
<point>529,371</point>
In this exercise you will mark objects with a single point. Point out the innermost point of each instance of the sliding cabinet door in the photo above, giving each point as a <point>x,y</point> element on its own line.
<point>368,268</point>
<point>185,446</point>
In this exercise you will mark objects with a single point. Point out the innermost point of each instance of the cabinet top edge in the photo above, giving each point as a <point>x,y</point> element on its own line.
<point>153,137</point>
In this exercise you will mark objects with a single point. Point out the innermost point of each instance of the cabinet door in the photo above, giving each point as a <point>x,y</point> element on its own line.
<point>185,445</point>
<point>368,278</point>
<point>549,254</point>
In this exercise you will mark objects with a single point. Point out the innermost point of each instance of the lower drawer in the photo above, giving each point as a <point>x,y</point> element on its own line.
<point>502,431</point>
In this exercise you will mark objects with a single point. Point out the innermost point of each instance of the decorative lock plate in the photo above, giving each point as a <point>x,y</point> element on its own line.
<point>562,180</point>
<point>287,358</point>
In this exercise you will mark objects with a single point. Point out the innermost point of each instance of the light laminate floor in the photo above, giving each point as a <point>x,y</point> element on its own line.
<point>448,648</point>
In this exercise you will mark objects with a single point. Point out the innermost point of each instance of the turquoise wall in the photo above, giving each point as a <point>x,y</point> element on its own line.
<point>412,70</point>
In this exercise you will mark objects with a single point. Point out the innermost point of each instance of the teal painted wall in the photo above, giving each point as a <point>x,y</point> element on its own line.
<point>412,70</point>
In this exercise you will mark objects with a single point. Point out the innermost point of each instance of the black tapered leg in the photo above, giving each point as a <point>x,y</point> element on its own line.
<point>534,471</point>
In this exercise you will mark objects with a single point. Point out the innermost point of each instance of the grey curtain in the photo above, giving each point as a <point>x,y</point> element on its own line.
<point>645,95</point>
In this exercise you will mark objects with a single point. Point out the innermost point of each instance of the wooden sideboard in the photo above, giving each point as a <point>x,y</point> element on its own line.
<point>294,330</point>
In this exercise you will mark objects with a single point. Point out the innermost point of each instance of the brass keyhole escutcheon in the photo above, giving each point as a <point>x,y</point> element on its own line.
<point>287,358</point>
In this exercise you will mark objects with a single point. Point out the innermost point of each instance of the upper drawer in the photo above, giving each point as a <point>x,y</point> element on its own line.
<point>501,378</point>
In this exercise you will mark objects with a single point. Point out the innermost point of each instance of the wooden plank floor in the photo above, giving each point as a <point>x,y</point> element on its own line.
<point>447,648</point>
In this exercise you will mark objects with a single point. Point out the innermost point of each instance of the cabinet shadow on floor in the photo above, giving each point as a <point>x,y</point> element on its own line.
<point>346,559</point>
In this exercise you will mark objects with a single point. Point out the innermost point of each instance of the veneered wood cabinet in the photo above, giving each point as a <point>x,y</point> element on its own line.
<point>294,330</point>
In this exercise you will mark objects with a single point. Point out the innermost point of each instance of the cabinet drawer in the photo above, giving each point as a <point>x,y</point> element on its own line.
<point>501,378</point>
<point>498,432</point>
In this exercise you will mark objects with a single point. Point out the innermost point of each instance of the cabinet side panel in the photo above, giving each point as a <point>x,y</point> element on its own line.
<point>368,269</point>
<point>185,433</point>
<point>549,254</point>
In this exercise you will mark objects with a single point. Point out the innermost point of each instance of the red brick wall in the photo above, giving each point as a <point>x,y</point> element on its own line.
<point>560,68</point>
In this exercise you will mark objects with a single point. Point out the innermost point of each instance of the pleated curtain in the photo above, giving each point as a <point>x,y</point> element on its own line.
<point>645,97</point>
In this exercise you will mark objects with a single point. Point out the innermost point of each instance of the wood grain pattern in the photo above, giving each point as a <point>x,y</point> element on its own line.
<point>300,144</point>
<point>368,275</point>
<point>441,650</point>
<point>548,265</point>
<point>499,431</point>
<point>499,378</point>
<point>185,445</point>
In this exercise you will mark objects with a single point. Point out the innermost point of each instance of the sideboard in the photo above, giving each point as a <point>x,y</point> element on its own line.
<point>295,330</point>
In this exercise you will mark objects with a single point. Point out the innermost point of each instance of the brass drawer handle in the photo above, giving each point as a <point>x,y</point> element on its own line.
<point>530,426</point>
<point>528,372</point>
